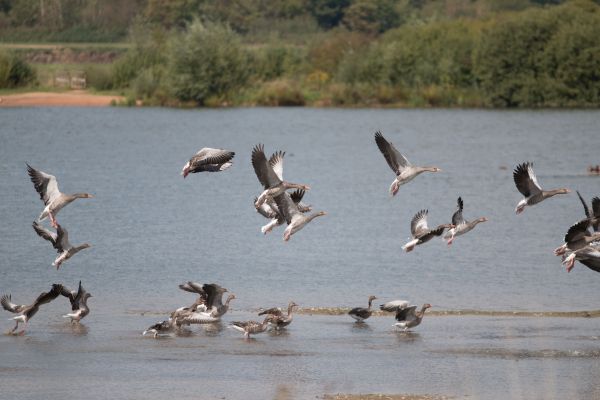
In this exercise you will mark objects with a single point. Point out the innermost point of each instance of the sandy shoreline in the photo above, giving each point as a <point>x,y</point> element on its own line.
<point>74,98</point>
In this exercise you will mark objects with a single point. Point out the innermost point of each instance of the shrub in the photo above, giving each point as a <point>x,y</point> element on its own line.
<point>280,93</point>
<point>14,72</point>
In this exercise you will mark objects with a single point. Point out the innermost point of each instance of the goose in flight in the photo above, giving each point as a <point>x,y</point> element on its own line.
<point>60,241</point>
<point>361,313</point>
<point>78,299</point>
<point>26,312</point>
<point>270,210</point>
<point>47,187</point>
<point>404,170</point>
<point>409,317</point>
<point>270,175</point>
<point>210,160</point>
<point>528,185</point>
<point>461,225</point>
<point>295,219</point>
<point>594,216</point>
<point>588,256</point>
<point>420,231</point>
<point>280,320</point>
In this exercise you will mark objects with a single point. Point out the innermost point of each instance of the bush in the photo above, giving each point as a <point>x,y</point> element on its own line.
<point>206,61</point>
<point>99,77</point>
<point>280,93</point>
<point>14,72</point>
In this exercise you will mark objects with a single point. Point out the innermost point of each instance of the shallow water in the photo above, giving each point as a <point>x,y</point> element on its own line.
<point>151,230</point>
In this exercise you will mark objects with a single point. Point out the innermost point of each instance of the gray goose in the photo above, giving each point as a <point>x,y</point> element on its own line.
<point>394,305</point>
<point>594,216</point>
<point>295,219</point>
<point>60,241</point>
<point>527,184</point>
<point>160,328</point>
<point>270,210</point>
<point>420,231</point>
<point>270,176</point>
<point>47,187</point>
<point>409,317</point>
<point>461,225</point>
<point>404,170</point>
<point>193,287</point>
<point>78,301</point>
<point>251,327</point>
<point>208,308</point>
<point>588,256</point>
<point>280,320</point>
<point>26,312</point>
<point>577,237</point>
<point>361,313</point>
<point>209,160</point>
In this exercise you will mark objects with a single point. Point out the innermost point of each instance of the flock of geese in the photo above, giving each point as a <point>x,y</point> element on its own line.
<point>275,203</point>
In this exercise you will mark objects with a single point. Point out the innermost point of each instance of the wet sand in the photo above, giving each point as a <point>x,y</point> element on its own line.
<point>74,98</point>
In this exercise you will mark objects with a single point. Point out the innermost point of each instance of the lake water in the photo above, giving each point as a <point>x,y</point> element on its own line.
<point>151,230</point>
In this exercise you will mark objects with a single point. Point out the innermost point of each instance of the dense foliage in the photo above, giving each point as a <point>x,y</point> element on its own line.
<point>500,53</point>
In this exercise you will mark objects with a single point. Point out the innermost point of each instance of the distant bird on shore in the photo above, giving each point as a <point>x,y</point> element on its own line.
<point>280,320</point>
<point>420,231</point>
<point>409,317</point>
<point>251,327</point>
<point>404,170</point>
<point>78,300</point>
<point>270,175</point>
<point>47,187</point>
<point>461,225</point>
<point>527,184</point>
<point>209,160</point>
<point>26,312</point>
<point>361,313</point>
<point>60,241</point>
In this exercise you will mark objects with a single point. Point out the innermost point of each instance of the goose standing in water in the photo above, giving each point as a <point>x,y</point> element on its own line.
<point>78,301</point>
<point>529,187</point>
<point>461,226</point>
<point>421,233</point>
<point>361,313</point>
<point>404,170</point>
<point>588,256</point>
<point>210,160</point>
<point>270,175</point>
<point>60,241</point>
<point>251,327</point>
<point>47,187</point>
<point>295,219</point>
<point>280,320</point>
<point>270,210</point>
<point>26,312</point>
<point>160,329</point>
<point>409,317</point>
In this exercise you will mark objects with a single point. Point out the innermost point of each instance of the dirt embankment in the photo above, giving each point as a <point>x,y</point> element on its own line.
<point>74,98</point>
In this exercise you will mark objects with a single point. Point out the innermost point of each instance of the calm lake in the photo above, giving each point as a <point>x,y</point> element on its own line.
<point>151,230</point>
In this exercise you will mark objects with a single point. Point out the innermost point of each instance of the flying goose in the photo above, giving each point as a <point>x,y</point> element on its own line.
<point>270,210</point>
<point>421,233</point>
<point>577,237</point>
<point>361,313</point>
<point>210,160</point>
<point>295,219</point>
<point>78,301</point>
<point>394,305</point>
<point>280,320</point>
<point>588,256</point>
<point>270,175</point>
<point>461,226</point>
<point>594,216</point>
<point>404,170</point>
<point>529,187</point>
<point>47,187</point>
<point>26,312</point>
<point>409,317</point>
<point>251,327</point>
<point>60,241</point>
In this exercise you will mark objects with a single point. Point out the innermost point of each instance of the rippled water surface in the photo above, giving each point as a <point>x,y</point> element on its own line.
<point>151,230</point>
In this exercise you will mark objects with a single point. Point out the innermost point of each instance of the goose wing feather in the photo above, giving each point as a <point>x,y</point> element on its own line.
<point>418,225</point>
<point>406,314</point>
<point>525,179</point>
<point>45,184</point>
<point>457,217</point>
<point>394,158</point>
<point>9,306</point>
<point>48,235</point>
<point>264,172</point>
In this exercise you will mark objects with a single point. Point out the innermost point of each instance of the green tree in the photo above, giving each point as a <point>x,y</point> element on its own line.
<point>371,16</point>
<point>328,13</point>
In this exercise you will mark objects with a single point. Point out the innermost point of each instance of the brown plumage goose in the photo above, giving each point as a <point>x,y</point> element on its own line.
<point>594,215</point>
<point>461,225</point>
<point>270,210</point>
<point>78,300</point>
<point>295,219</point>
<point>588,256</point>
<point>270,175</point>
<point>577,237</point>
<point>361,313</point>
<point>26,312</point>
<point>409,317</point>
<point>60,241</point>
<point>280,320</point>
<point>420,231</point>
<point>404,170</point>
<point>529,187</point>
<point>209,160</point>
<point>47,187</point>
<point>251,327</point>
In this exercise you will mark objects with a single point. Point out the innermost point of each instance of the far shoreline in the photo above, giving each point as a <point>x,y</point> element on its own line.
<point>72,98</point>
